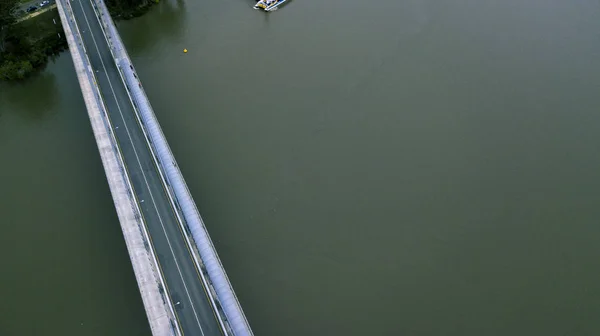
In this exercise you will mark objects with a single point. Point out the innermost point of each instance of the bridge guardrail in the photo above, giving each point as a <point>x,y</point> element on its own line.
<point>174,182</point>
<point>71,26</point>
<point>167,186</point>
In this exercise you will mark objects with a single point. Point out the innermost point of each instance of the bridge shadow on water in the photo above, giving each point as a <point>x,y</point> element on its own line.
<point>166,21</point>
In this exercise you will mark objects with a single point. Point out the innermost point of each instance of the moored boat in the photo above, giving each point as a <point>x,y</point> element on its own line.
<point>268,5</point>
<point>260,5</point>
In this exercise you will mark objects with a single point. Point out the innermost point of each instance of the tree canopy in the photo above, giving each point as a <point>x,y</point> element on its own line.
<point>25,46</point>
<point>6,10</point>
<point>128,8</point>
<point>6,20</point>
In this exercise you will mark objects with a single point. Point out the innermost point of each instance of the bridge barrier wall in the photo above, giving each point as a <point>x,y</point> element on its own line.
<point>158,307</point>
<point>226,303</point>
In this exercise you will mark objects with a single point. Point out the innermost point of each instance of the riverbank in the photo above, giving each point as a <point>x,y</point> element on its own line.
<point>120,10</point>
<point>32,40</point>
<point>30,43</point>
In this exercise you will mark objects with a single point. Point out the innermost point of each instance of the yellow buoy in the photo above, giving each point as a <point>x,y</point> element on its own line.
<point>184,50</point>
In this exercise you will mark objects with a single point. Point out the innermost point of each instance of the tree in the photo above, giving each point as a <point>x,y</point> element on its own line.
<point>15,70</point>
<point>7,18</point>
<point>127,8</point>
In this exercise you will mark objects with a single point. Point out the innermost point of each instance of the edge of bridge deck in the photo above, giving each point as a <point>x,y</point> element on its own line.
<point>223,298</point>
<point>225,301</point>
<point>151,285</point>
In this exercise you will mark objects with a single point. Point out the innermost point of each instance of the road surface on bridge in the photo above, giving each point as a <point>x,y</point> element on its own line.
<point>184,285</point>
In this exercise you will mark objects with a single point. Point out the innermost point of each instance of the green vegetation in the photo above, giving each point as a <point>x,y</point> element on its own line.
<point>25,46</point>
<point>127,9</point>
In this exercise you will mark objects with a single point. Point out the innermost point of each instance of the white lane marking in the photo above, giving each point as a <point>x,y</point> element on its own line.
<point>205,284</point>
<point>142,169</point>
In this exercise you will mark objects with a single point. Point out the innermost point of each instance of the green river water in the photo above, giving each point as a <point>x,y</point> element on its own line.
<point>412,167</point>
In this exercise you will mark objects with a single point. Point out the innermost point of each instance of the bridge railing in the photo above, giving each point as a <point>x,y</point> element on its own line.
<point>226,302</point>
<point>144,270</point>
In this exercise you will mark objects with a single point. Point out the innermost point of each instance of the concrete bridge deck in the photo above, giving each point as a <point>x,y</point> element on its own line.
<point>184,285</point>
<point>190,294</point>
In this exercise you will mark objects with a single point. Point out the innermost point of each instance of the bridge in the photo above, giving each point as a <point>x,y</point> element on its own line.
<point>183,284</point>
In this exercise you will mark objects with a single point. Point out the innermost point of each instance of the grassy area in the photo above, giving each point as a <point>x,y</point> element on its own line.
<point>41,25</point>
<point>31,42</point>
<point>36,13</point>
